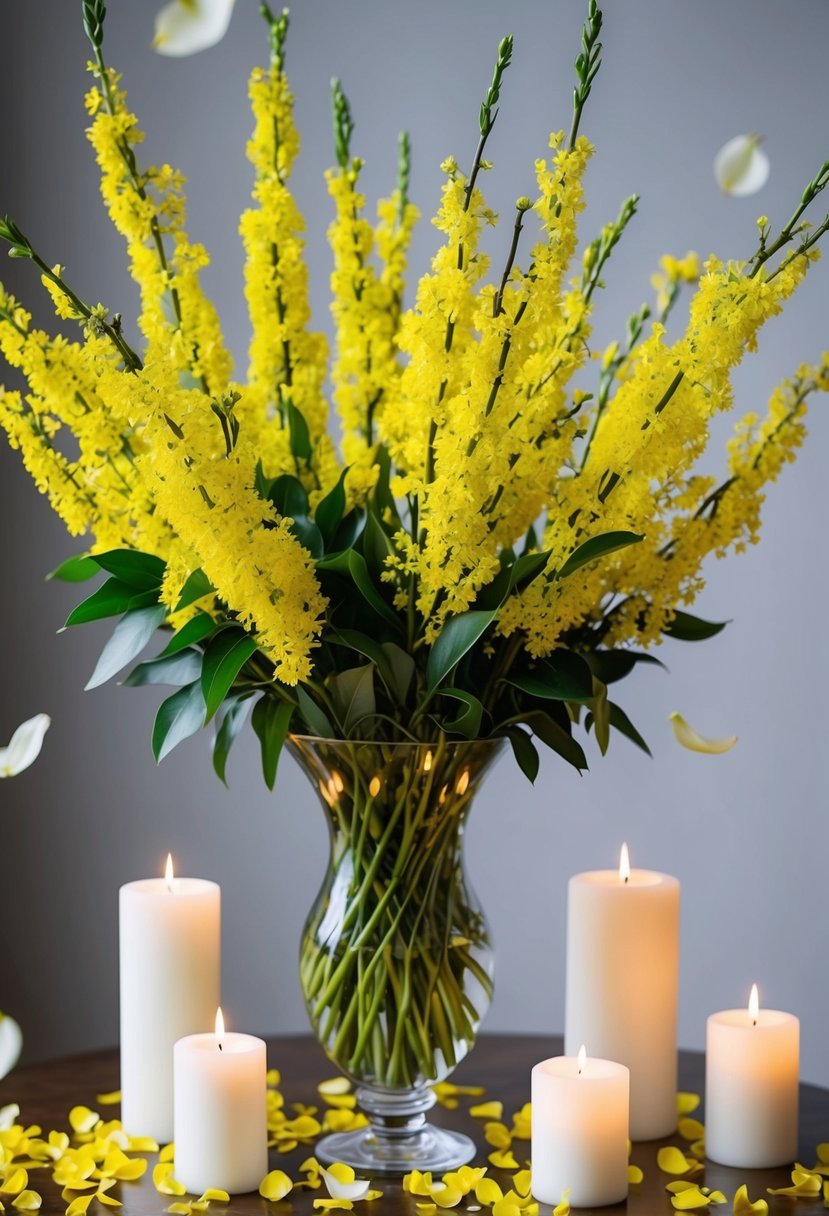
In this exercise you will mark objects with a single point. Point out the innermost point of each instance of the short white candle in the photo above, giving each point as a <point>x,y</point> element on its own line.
<point>751,1087</point>
<point>221,1123</point>
<point>170,932</point>
<point>623,983</point>
<point>580,1131</point>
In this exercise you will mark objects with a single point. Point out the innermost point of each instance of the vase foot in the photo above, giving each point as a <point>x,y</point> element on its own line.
<point>428,1148</point>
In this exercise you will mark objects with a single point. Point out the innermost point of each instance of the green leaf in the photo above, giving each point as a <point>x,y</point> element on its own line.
<point>197,585</point>
<point>601,715</point>
<point>524,752</point>
<point>195,630</point>
<point>330,510</point>
<point>229,727</point>
<point>401,669</point>
<point>353,565</point>
<point>141,570</point>
<point>526,568</point>
<point>288,495</point>
<point>554,736</point>
<point>76,569</point>
<point>182,667</point>
<point>376,545</point>
<point>382,499</point>
<point>459,635</point>
<point>300,438</point>
<point>613,665</point>
<point>316,720</point>
<point>622,723</point>
<point>224,658</point>
<point>271,721</point>
<point>179,717</point>
<point>596,547</point>
<point>308,535</point>
<point>468,722</point>
<point>353,694</point>
<point>687,628</point>
<point>132,633</point>
<point>349,530</point>
<point>112,598</point>
<point>366,646</point>
<point>564,676</point>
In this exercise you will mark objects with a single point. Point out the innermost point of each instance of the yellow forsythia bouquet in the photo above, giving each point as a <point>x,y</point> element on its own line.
<point>490,547</point>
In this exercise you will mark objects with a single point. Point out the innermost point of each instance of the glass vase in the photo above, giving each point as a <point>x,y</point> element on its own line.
<point>396,962</point>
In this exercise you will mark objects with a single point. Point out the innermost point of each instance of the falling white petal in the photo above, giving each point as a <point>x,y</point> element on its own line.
<point>688,737</point>
<point>357,1189</point>
<point>187,26</point>
<point>11,1042</point>
<point>25,745</point>
<point>741,166</point>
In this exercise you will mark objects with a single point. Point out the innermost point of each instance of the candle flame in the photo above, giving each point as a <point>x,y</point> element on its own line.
<point>374,786</point>
<point>463,782</point>
<point>220,1027</point>
<point>427,762</point>
<point>168,873</point>
<point>582,1058</point>
<point>624,864</point>
<point>754,1005</point>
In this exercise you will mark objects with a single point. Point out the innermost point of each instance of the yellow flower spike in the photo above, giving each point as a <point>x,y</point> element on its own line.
<point>27,1201</point>
<point>804,1182</point>
<point>498,1135</point>
<point>744,1207</point>
<point>164,1182</point>
<point>689,1199</point>
<point>563,1208</point>
<point>690,739</point>
<point>690,1129</point>
<point>167,1153</point>
<point>686,1103</point>
<point>672,1160</point>
<point>503,1160</point>
<point>110,1099</point>
<point>275,1185</point>
<point>487,1110</point>
<point>15,1181</point>
<point>82,1119</point>
<point>488,1192</point>
<point>635,1175</point>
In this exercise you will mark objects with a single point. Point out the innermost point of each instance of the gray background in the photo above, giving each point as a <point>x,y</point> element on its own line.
<point>745,833</point>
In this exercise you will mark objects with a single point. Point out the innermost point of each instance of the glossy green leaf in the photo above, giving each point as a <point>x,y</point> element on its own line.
<point>316,720</point>
<point>468,721</point>
<point>596,547</point>
<point>349,530</point>
<point>308,535</point>
<point>77,569</point>
<point>141,570</point>
<point>352,564</point>
<point>132,633</point>
<point>182,667</point>
<point>195,630</point>
<point>687,628</point>
<point>564,676</point>
<point>621,722</point>
<point>300,437</point>
<point>376,545</point>
<point>401,669</point>
<point>353,694</point>
<point>554,736</point>
<point>459,635</point>
<point>289,496</point>
<point>112,598</point>
<point>271,720</point>
<point>524,752</point>
<point>330,510</point>
<point>231,724</point>
<point>613,665</point>
<point>224,658</point>
<point>179,717</point>
<point>197,585</point>
<point>601,715</point>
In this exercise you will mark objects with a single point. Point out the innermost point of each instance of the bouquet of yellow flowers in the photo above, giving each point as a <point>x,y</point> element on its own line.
<point>490,547</point>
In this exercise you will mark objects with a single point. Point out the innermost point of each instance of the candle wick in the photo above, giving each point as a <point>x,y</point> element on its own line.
<point>220,1047</point>
<point>627,879</point>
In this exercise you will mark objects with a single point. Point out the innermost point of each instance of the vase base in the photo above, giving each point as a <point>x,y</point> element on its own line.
<point>429,1148</point>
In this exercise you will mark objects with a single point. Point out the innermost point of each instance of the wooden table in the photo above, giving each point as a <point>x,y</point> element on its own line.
<point>46,1092</point>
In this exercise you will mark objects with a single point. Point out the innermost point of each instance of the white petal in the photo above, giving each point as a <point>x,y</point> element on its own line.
<point>11,1042</point>
<point>25,746</point>
<point>187,26</point>
<point>688,737</point>
<point>8,1115</point>
<point>741,166</point>
<point>357,1189</point>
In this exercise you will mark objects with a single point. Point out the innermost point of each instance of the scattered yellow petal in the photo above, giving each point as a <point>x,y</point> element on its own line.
<point>416,1183</point>
<point>79,1205</point>
<point>273,1077</point>
<point>688,738</point>
<point>487,1110</point>
<point>635,1175</point>
<point>823,1153</point>
<point>427,1209</point>
<point>522,1181</point>
<point>522,1122</point>
<point>334,1087</point>
<point>167,1153</point>
<point>672,1160</point>
<point>110,1099</point>
<point>142,1144</point>
<point>690,1198</point>
<point>372,1195</point>
<point>16,1180</point>
<point>275,1185</point>
<point>164,1182</point>
<point>686,1103</point>
<point>445,1196</point>
<point>744,1207</point>
<point>697,1149</point>
<point>180,1209</point>
<point>216,1195</point>
<point>503,1160</point>
<point>488,1191</point>
<point>691,1129</point>
<point>563,1208</point>
<point>333,1205</point>
<point>716,1197</point>
<point>498,1135</point>
<point>82,1119</point>
<point>804,1182</point>
<point>27,1201</point>
<point>826,1194</point>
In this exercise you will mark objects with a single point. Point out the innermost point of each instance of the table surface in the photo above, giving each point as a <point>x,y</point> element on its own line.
<point>46,1092</point>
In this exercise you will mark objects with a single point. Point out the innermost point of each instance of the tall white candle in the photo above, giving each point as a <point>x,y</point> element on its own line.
<point>623,983</point>
<point>580,1131</point>
<point>751,1087</point>
<point>221,1123</point>
<point>169,961</point>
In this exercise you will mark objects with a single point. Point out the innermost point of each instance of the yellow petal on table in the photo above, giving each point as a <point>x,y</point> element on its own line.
<point>822,1152</point>
<point>336,1120</point>
<point>672,1160</point>
<point>216,1195</point>
<point>445,1196</point>
<point>342,1183</point>
<point>635,1175</point>
<point>743,1206</point>
<point>180,1209</point>
<point>741,167</point>
<point>79,1205</point>
<point>522,1181</point>
<point>507,1206</point>
<point>15,1181</point>
<point>686,1102</point>
<point>187,26</point>
<point>417,1183</point>
<point>688,738</point>
<point>487,1110</point>
<point>488,1191</point>
<point>804,1182</point>
<point>164,1182</point>
<point>118,1165</point>
<point>285,1146</point>
<point>426,1209</point>
<point>340,1101</point>
<point>370,1196</point>
<point>697,1149</point>
<point>334,1087</point>
<point>333,1205</point>
<point>503,1160</point>
<point>691,1129</point>
<point>465,1179</point>
<point>497,1134</point>
<point>82,1119</point>
<point>275,1185</point>
<point>689,1199</point>
<point>826,1194</point>
<point>563,1208</point>
<point>110,1099</point>
<point>24,747</point>
<point>716,1197</point>
<point>27,1201</point>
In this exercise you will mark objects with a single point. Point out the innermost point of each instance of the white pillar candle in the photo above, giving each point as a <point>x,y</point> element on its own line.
<point>169,960</point>
<point>623,983</point>
<point>751,1087</point>
<point>580,1131</point>
<point>221,1123</point>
